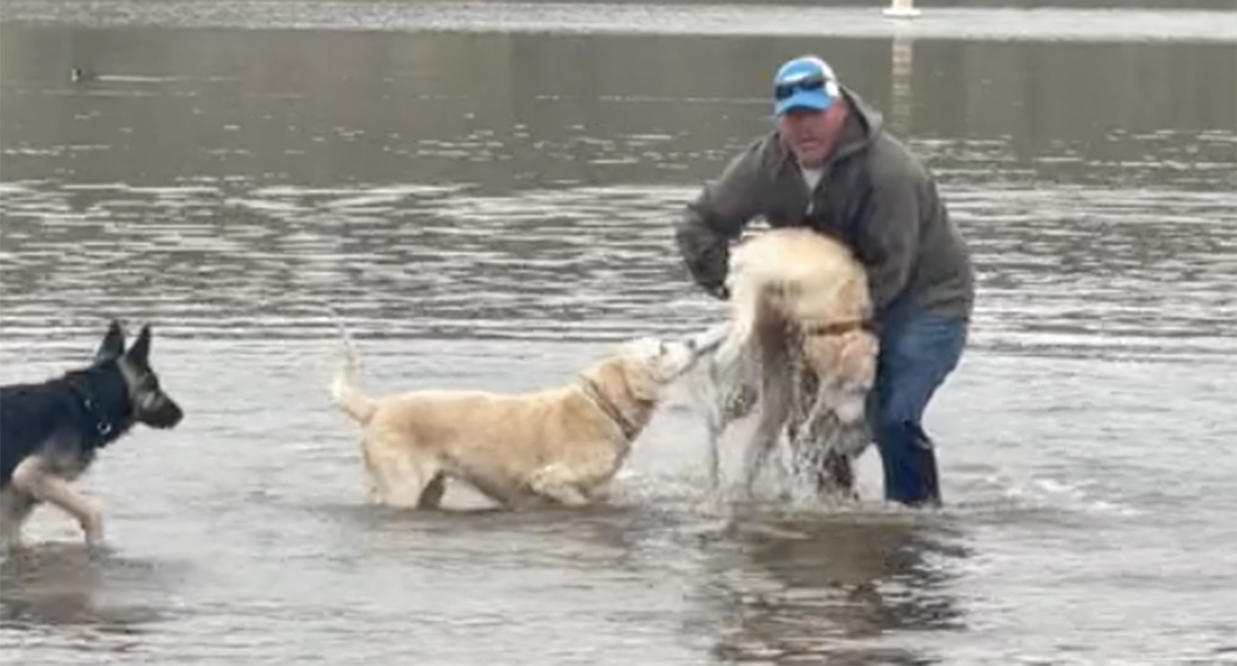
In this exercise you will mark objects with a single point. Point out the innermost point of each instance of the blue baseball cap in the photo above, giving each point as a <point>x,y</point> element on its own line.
<point>806,82</point>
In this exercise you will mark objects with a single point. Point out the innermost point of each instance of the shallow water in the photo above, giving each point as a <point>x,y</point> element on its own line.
<point>485,193</point>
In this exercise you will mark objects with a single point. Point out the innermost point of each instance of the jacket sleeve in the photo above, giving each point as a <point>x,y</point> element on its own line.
<point>717,217</point>
<point>889,237</point>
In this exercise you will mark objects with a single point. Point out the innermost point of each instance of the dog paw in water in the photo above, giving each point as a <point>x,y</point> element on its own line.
<point>93,528</point>
<point>97,550</point>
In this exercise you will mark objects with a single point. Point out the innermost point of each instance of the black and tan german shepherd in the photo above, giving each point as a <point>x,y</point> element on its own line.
<point>50,432</point>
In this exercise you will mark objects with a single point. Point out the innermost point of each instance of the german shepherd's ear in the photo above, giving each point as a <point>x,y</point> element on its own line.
<point>140,351</point>
<point>113,344</point>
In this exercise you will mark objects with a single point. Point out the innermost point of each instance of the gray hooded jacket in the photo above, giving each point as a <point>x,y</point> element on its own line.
<point>875,196</point>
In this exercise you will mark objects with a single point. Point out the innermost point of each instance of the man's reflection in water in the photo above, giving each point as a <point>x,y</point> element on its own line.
<point>830,589</point>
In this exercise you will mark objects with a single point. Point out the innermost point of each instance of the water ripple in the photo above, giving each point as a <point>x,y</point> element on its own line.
<point>1063,269</point>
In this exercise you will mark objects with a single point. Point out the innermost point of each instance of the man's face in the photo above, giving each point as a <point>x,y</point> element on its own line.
<point>811,135</point>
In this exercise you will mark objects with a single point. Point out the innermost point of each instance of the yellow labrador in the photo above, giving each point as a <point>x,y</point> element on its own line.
<point>799,298</point>
<point>561,445</point>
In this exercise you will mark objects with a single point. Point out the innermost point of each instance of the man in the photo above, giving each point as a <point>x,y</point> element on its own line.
<point>829,166</point>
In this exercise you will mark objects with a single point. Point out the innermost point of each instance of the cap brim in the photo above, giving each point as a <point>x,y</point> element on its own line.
<point>806,100</point>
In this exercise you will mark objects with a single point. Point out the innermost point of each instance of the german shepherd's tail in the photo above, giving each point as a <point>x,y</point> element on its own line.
<point>345,387</point>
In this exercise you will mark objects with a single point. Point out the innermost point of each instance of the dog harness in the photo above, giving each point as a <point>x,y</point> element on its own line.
<point>102,426</point>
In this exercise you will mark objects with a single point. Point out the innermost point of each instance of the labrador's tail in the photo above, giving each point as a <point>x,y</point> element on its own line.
<point>345,387</point>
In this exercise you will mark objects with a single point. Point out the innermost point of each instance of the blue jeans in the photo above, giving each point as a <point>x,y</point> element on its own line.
<point>917,353</point>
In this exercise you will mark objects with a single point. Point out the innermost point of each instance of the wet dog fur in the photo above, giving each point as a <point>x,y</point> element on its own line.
<point>798,345</point>
<point>557,446</point>
<point>51,431</point>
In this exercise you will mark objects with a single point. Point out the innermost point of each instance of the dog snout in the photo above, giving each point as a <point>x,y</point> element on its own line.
<point>166,413</point>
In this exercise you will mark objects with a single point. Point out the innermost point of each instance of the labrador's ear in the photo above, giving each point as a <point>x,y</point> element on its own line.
<point>113,344</point>
<point>857,359</point>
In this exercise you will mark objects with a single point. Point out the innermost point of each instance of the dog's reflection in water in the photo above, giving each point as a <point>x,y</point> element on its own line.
<point>73,584</point>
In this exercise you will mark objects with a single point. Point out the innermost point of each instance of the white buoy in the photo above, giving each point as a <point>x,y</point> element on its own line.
<point>901,9</point>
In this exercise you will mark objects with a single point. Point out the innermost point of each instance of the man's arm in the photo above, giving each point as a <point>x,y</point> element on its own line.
<point>717,217</point>
<point>889,238</point>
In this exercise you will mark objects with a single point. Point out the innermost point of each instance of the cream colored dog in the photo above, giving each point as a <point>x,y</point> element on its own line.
<point>561,445</point>
<point>799,298</point>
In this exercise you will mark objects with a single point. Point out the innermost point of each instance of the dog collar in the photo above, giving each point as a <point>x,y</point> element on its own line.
<point>836,328</point>
<point>594,394</point>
